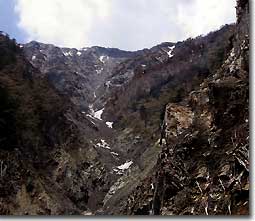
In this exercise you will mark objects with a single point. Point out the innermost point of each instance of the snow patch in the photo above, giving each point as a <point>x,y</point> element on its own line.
<point>107,84</point>
<point>69,53</point>
<point>92,123</point>
<point>100,70</point>
<point>33,57</point>
<point>98,114</point>
<point>125,166</point>
<point>170,53</point>
<point>88,115</point>
<point>232,54</point>
<point>91,117</point>
<point>94,94</point>
<point>118,172</point>
<point>109,124</point>
<point>91,110</point>
<point>114,153</point>
<point>103,144</point>
<point>95,114</point>
<point>102,58</point>
<point>79,53</point>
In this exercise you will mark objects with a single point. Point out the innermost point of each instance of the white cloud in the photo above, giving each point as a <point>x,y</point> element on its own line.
<point>132,24</point>
<point>204,16</point>
<point>61,22</point>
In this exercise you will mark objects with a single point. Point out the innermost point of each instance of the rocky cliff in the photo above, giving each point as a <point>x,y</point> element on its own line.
<point>105,131</point>
<point>203,168</point>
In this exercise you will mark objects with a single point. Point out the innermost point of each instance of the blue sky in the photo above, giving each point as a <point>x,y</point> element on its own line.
<point>127,24</point>
<point>9,20</point>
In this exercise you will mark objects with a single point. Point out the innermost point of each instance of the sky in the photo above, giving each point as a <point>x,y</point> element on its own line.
<point>125,24</point>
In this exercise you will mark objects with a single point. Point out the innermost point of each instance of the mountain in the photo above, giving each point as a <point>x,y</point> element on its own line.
<point>160,131</point>
<point>203,168</point>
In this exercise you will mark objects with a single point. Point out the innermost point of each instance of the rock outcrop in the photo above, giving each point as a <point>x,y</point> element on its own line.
<point>203,168</point>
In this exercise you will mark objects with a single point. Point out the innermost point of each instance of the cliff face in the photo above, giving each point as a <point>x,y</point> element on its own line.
<point>204,165</point>
<point>105,131</point>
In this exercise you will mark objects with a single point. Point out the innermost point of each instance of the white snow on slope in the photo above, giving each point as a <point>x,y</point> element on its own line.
<point>92,123</point>
<point>102,58</point>
<point>79,53</point>
<point>114,153</point>
<point>98,114</point>
<point>103,144</point>
<point>88,115</point>
<point>95,114</point>
<point>171,51</point>
<point>91,117</point>
<point>107,84</point>
<point>125,166</point>
<point>34,57</point>
<point>68,53</point>
<point>109,124</point>
<point>91,110</point>
<point>100,70</point>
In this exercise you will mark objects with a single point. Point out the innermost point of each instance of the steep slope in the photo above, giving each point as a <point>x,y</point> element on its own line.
<point>122,95</point>
<point>138,101</point>
<point>28,109</point>
<point>115,87</point>
<point>76,73</point>
<point>204,165</point>
<point>48,164</point>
